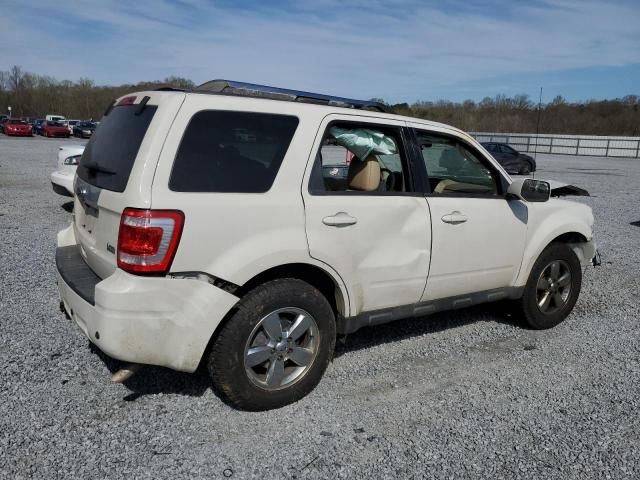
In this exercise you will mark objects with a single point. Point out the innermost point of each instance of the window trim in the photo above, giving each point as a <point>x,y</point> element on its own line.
<point>405,157</point>
<point>206,192</point>
<point>501,182</point>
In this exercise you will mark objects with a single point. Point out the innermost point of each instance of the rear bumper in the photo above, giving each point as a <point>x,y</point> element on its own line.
<point>149,320</point>
<point>64,180</point>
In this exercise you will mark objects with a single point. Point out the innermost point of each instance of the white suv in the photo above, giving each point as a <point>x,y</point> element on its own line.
<point>245,226</point>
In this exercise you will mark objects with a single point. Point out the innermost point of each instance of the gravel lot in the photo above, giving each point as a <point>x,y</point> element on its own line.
<point>459,395</point>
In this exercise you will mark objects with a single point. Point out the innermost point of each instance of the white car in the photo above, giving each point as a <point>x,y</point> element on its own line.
<point>68,159</point>
<point>70,124</point>
<point>207,230</point>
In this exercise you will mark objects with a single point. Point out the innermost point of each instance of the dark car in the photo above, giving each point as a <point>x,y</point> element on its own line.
<point>17,127</point>
<point>37,126</point>
<point>2,122</point>
<point>54,129</point>
<point>510,159</point>
<point>83,129</point>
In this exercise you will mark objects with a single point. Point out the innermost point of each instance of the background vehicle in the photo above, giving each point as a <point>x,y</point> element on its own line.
<point>69,124</point>
<point>54,129</point>
<point>84,129</point>
<point>2,122</point>
<point>53,117</point>
<point>425,221</point>
<point>512,160</point>
<point>17,127</point>
<point>36,126</point>
<point>68,159</point>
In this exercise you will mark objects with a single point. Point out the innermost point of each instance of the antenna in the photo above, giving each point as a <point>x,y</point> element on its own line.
<point>535,151</point>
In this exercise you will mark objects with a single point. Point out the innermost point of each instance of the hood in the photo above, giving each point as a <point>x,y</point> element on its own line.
<point>561,189</point>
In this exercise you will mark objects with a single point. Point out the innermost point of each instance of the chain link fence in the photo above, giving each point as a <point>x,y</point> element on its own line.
<point>566,144</point>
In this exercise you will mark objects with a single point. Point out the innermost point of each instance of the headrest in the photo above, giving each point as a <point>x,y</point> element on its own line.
<point>364,175</point>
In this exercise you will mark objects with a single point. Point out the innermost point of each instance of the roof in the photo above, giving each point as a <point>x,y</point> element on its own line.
<point>242,89</point>
<point>250,90</point>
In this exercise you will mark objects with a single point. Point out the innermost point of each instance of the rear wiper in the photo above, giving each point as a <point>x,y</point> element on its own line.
<point>94,167</point>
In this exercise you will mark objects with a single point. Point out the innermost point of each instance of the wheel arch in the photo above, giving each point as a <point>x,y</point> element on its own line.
<point>330,286</point>
<point>576,236</point>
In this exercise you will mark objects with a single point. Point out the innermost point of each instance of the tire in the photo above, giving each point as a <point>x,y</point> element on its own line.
<point>547,301</point>
<point>525,169</point>
<point>261,387</point>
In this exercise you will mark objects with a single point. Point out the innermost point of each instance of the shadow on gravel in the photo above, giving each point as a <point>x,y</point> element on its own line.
<point>406,328</point>
<point>152,380</point>
<point>67,207</point>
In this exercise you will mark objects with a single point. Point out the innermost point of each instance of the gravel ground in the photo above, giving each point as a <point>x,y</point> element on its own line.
<point>458,395</point>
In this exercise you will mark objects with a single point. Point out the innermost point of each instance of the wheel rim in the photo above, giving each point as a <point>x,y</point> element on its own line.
<point>554,287</point>
<point>281,348</point>
<point>525,170</point>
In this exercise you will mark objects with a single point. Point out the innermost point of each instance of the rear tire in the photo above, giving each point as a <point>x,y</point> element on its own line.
<point>256,368</point>
<point>553,287</point>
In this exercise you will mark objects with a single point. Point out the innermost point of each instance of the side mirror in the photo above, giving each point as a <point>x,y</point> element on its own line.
<point>530,190</point>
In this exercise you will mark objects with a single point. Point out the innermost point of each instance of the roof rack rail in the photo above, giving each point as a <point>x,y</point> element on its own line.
<point>229,87</point>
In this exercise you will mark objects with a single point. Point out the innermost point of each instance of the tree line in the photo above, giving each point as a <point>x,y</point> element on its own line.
<point>32,95</point>
<point>519,114</point>
<point>35,95</point>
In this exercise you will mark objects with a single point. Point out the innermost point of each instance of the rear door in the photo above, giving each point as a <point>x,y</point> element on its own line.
<point>116,171</point>
<point>374,230</point>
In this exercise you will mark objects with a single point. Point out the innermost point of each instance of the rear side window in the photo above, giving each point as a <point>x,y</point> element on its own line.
<point>225,151</point>
<point>108,158</point>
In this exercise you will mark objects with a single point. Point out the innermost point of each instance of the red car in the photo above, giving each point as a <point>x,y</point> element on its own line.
<point>15,126</point>
<point>54,129</point>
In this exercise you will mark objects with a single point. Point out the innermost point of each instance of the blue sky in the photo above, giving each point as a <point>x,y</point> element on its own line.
<point>399,50</point>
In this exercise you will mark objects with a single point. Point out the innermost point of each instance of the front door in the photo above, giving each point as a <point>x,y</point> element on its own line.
<point>363,216</point>
<point>478,235</point>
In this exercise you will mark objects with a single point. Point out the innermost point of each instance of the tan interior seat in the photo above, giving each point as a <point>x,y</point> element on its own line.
<point>443,184</point>
<point>364,176</point>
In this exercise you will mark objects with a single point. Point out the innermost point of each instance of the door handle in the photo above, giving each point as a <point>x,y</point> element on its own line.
<point>454,217</point>
<point>340,219</point>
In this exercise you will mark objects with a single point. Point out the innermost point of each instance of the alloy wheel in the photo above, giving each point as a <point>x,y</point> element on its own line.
<point>281,348</point>
<point>553,287</point>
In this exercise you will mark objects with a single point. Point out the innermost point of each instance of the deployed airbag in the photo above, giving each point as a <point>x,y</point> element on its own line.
<point>362,142</point>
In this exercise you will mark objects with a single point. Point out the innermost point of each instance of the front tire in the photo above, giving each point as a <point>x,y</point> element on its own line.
<point>275,348</point>
<point>525,169</point>
<point>553,287</point>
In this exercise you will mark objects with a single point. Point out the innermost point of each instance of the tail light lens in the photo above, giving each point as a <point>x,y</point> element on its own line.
<point>148,239</point>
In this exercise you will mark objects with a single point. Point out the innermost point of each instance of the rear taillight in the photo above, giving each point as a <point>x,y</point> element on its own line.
<point>148,239</point>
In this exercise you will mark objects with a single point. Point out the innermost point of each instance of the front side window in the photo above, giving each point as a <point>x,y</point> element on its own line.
<point>359,158</point>
<point>491,147</point>
<point>508,149</point>
<point>452,168</point>
<point>224,151</point>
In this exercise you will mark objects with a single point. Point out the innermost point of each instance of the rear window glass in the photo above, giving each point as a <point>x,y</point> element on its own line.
<point>231,152</point>
<point>108,158</point>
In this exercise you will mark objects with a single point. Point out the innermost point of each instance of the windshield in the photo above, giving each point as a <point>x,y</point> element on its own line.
<point>108,158</point>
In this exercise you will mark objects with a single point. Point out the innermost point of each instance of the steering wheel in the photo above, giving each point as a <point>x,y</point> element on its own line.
<point>391,176</point>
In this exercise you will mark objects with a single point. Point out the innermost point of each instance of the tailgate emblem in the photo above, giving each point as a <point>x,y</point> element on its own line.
<point>111,248</point>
